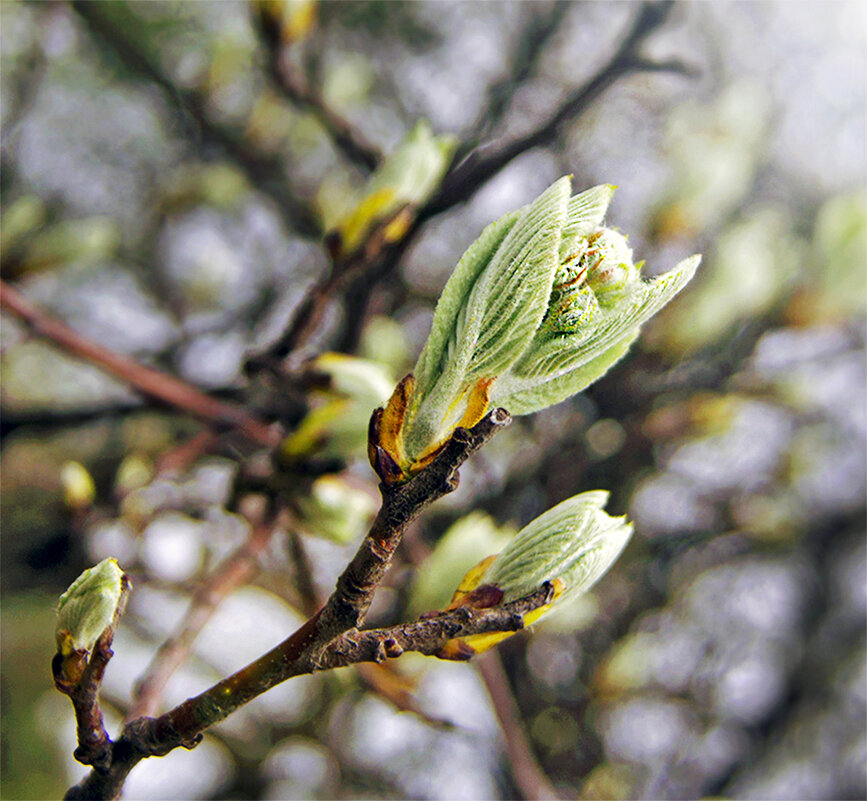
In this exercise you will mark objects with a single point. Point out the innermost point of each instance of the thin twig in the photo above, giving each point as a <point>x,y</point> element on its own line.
<point>153,383</point>
<point>94,744</point>
<point>330,638</point>
<point>526,770</point>
<point>346,274</point>
<point>296,87</point>
<point>463,181</point>
<point>528,51</point>
<point>402,503</point>
<point>180,457</point>
<point>266,172</point>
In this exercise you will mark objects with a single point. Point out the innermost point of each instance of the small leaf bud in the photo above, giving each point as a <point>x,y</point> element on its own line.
<point>570,546</point>
<point>575,543</point>
<point>79,490</point>
<point>89,607</point>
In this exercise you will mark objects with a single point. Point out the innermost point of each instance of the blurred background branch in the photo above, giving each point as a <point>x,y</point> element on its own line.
<point>112,25</point>
<point>146,380</point>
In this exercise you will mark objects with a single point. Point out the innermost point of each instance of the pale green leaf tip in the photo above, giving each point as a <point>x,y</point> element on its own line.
<point>575,542</point>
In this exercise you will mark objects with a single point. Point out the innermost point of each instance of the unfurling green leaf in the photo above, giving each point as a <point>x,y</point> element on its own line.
<point>488,315</point>
<point>558,365</point>
<point>467,542</point>
<point>570,546</point>
<point>336,510</point>
<point>542,304</point>
<point>575,543</point>
<point>336,427</point>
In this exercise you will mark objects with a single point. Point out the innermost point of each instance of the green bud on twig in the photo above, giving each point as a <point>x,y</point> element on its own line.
<point>569,547</point>
<point>89,607</point>
<point>574,543</point>
<point>404,181</point>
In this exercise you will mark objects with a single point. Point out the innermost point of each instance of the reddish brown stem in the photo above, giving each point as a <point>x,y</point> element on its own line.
<point>330,638</point>
<point>153,383</point>
<point>384,680</point>
<point>182,456</point>
<point>528,774</point>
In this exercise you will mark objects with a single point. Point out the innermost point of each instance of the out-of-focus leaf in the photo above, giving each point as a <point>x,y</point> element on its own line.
<point>383,340</point>
<point>79,490</point>
<point>87,240</point>
<point>336,510</point>
<point>466,543</point>
<point>752,263</point>
<point>293,18</point>
<point>406,178</point>
<point>336,428</point>
<point>220,185</point>
<point>19,219</point>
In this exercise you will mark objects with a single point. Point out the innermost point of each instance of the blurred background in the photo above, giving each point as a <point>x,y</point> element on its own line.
<point>168,173</point>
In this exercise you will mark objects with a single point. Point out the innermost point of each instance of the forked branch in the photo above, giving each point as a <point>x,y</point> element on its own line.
<point>330,638</point>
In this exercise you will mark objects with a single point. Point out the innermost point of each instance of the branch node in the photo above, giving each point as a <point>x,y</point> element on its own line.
<point>392,648</point>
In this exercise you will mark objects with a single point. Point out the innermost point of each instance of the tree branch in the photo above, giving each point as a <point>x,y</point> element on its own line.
<point>153,383</point>
<point>183,726</point>
<point>265,172</point>
<point>330,638</point>
<point>463,181</point>
<point>401,504</point>
<point>527,53</point>
<point>295,86</point>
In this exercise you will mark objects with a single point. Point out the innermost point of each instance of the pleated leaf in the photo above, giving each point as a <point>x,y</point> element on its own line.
<point>441,341</point>
<point>575,542</point>
<point>489,311</point>
<point>528,396</point>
